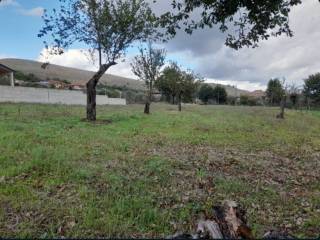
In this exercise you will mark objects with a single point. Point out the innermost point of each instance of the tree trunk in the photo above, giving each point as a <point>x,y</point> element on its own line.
<point>147,108</point>
<point>173,99</point>
<point>179,103</point>
<point>282,107</point>
<point>91,91</point>
<point>148,99</point>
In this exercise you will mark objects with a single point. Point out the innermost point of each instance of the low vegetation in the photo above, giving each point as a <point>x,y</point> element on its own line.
<point>132,175</point>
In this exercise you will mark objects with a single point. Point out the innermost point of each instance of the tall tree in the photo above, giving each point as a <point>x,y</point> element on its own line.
<point>311,88</point>
<point>246,22</point>
<point>178,84</point>
<point>220,94</point>
<point>274,91</point>
<point>146,67</point>
<point>294,95</point>
<point>206,93</point>
<point>283,98</point>
<point>186,86</point>
<point>107,27</point>
<point>167,82</point>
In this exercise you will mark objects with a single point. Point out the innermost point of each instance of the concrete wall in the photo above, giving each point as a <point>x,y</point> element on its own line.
<point>51,96</point>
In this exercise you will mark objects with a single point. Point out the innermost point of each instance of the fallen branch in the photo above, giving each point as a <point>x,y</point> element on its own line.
<point>227,222</point>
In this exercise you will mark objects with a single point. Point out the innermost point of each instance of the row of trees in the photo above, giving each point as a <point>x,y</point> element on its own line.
<point>308,95</point>
<point>110,27</point>
<point>171,82</point>
<point>209,94</point>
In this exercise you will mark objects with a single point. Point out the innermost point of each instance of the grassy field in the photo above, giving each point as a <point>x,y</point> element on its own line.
<point>131,175</point>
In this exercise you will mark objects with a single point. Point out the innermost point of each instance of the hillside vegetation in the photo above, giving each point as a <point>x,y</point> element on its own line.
<point>131,175</point>
<point>76,75</point>
<point>69,74</point>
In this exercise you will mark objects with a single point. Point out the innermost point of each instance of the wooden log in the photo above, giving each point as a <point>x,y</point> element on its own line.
<point>209,229</point>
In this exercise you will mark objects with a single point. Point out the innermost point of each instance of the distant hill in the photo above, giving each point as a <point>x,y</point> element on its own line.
<point>74,75</point>
<point>232,91</point>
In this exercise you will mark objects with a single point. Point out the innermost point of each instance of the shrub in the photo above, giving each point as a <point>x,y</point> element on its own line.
<point>249,100</point>
<point>206,93</point>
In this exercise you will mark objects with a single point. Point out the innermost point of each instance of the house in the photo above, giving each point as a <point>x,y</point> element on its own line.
<point>79,85</point>
<point>4,70</point>
<point>58,84</point>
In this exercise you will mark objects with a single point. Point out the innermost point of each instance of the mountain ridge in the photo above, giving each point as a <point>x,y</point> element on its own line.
<point>75,75</point>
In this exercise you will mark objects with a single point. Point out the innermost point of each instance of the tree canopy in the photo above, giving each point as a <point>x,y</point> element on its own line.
<point>146,66</point>
<point>106,27</point>
<point>311,88</point>
<point>274,91</point>
<point>167,82</point>
<point>220,94</point>
<point>178,84</point>
<point>109,26</point>
<point>246,22</point>
<point>206,93</point>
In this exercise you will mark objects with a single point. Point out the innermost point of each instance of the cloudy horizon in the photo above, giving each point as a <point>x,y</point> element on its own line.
<point>250,69</point>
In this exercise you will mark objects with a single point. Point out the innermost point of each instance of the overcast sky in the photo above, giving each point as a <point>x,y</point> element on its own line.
<point>293,58</point>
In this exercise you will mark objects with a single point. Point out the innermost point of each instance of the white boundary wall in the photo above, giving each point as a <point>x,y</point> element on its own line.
<point>52,96</point>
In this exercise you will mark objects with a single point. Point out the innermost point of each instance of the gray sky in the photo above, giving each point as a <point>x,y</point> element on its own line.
<point>204,51</point>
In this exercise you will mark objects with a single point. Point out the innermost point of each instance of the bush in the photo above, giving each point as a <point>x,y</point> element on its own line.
<point>27,77</point>
<point>206,93</point>
<point>274,91</point>
<point>4,80</point>
<point>249,100</point>
<point>220,94</point>
<point>312,89</point>
<point>231,100</point>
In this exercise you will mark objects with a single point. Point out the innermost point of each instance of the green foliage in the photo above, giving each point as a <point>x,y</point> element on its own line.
<point>109,91</point>
<point>220,94</point>
<point>312,88</point>
<point>189,85</point>
<point>146,66</point>
<point>109,27</point>
<point>274,91</point>
<point>253,21</point>
<point>248,100</point>
<point>231,100</point>
<point>4,80</point>
<point>27,77</point>
<point>206,93</point>
<point>176,83</point>
<point>167,82</point>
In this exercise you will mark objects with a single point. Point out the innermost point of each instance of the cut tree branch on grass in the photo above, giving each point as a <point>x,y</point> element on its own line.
<point>227,222</point>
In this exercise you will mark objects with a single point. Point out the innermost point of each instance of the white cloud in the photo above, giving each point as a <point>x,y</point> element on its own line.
<point>36,12</point>
<point>2,56</point>
<point>204,51</point>
<point>245,85</point>
<point>293,58</point>
<point>6,3</point>
<point>80,58</point>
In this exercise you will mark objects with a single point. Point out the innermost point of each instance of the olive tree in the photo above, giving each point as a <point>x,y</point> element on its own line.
<point>179,84</point>
<point>187,85</point>
<point>146,66</point>
<point>106,27</point>
<point>167,82</point>
<point>311,88</point>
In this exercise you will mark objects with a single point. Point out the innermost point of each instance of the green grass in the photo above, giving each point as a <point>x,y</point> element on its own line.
<point>131,175</point>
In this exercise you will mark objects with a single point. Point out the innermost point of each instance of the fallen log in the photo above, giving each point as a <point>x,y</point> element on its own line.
<point>227,221</point>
